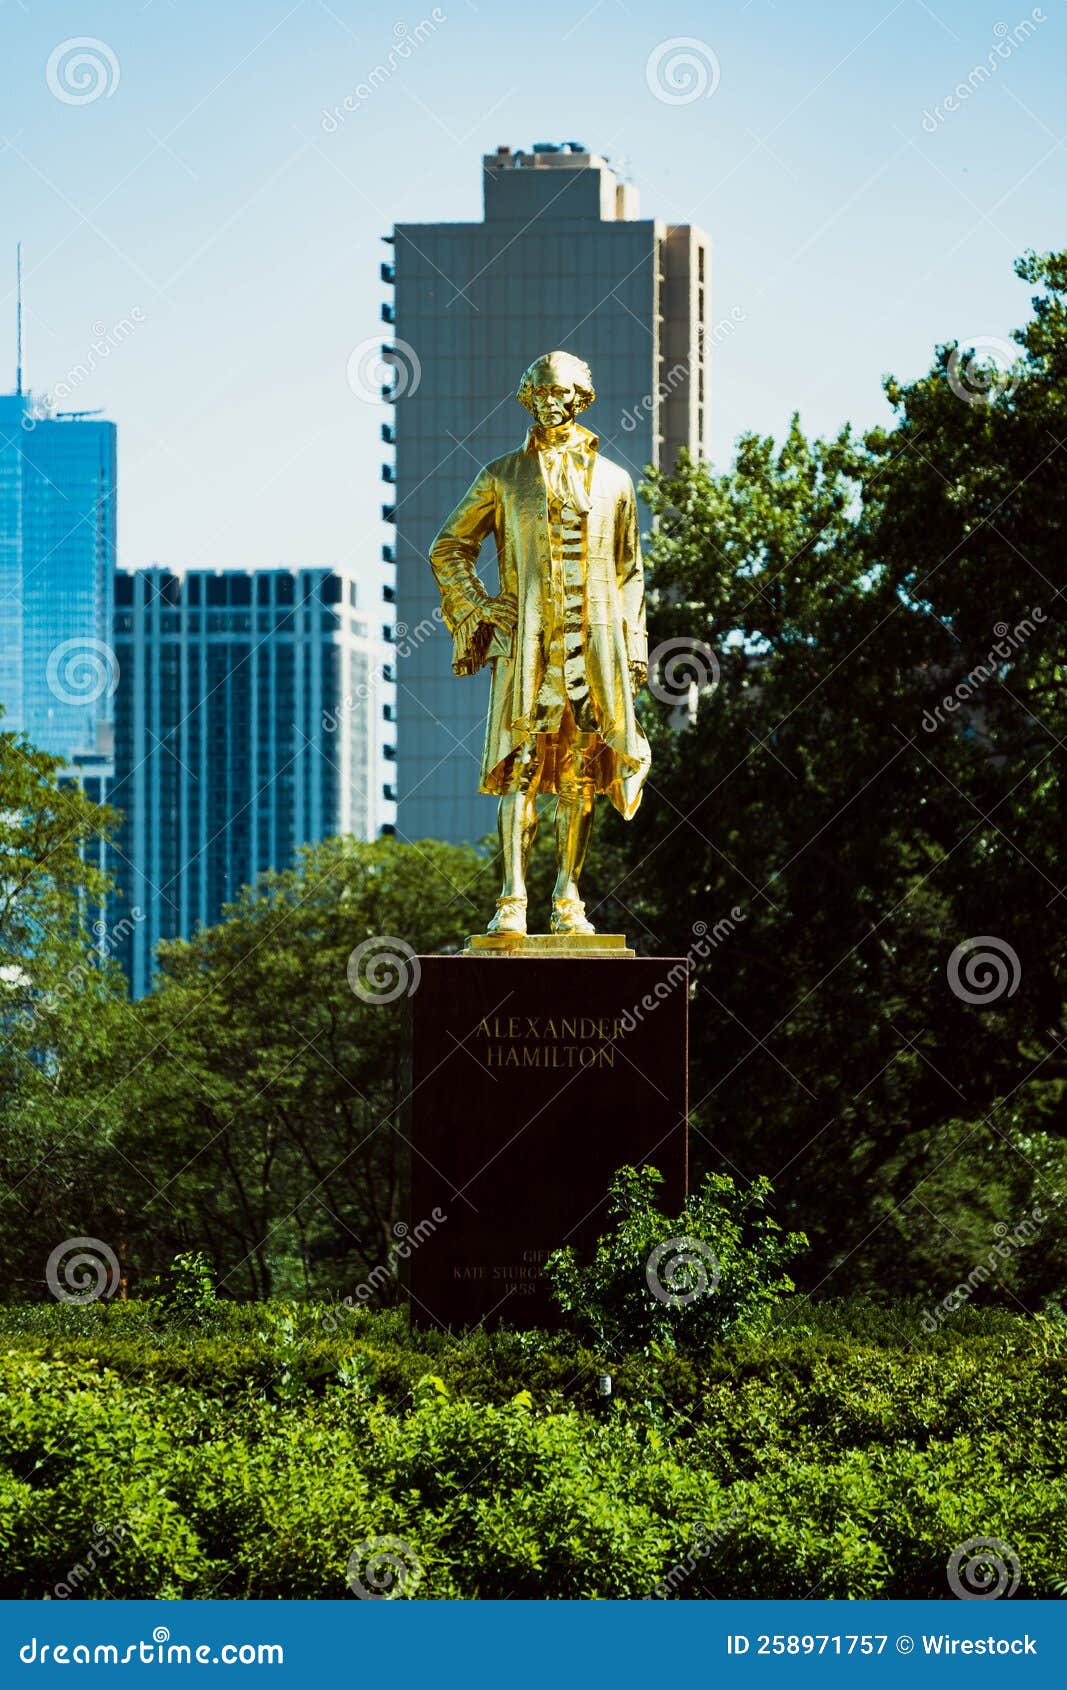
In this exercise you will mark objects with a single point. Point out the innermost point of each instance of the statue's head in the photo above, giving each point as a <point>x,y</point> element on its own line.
<point>555,388</point>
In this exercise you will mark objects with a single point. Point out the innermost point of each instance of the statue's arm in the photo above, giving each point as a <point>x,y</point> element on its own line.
<point>469,610</point>
<point>631,576</point>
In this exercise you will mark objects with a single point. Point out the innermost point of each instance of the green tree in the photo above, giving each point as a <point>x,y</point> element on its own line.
<point>58,997</point>
<point>862,828</point>
<point>263,1113</point>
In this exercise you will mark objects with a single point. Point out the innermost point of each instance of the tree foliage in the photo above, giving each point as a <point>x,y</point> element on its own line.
<point>263,1112</point>
<point>58,998</point>
<point>875,779</point>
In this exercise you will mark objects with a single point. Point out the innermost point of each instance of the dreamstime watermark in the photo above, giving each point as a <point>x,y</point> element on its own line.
<point>383,968</point>
<point>81,670</point>
<point>1010,1240</point>
<point>986,371</point>
<point>405,42</point>
<point>1007,40</point>
<point>157,1651</point>
<point>108,936</point>
<point>681,1270</point>
<point>705,941</point>
<point>679,670</point>
<point>371,364</point>
<point>105,341</point>
<point>82,70</point>
<point>1008,641</point>
<point>406,1240</point>
<point>105,1541</point>
<point>381,1569</point>
<point>680,372</point>
<point>405,640</point>
<point>983,970</point>
<point>82,1270</point>
<point>982,1569</point>
<point>708,1539</point>
<point>636,414</point>
<point>681,70</point>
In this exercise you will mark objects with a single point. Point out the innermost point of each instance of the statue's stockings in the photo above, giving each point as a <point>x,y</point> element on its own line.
<point>517,816</point>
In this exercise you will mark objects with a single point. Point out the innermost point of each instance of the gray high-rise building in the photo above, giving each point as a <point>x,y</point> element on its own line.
<point>253,715</point>
<point>57,564</point>
<point>562,259</point>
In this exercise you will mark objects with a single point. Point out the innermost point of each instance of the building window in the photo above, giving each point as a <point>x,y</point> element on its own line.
<point>700,263</point>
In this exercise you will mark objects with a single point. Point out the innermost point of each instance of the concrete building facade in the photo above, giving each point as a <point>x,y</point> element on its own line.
<point>562,259</point>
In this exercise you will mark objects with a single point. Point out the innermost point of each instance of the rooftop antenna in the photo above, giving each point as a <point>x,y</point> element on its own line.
<point>18,319</point>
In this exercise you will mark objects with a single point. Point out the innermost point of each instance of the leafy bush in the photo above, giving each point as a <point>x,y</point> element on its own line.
<point>714,1269</point>
<point>840,1450</point>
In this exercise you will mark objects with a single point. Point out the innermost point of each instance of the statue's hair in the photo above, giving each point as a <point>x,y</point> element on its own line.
<point>540,374</point>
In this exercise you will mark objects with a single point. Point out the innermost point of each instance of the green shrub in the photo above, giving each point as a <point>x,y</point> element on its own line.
<point>714,1269</point>
<point>833,1453</point>
<point>190,1287</point>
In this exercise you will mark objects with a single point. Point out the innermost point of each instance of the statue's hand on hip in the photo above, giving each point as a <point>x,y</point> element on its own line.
<point>638,677</point>
<point>502,612</point>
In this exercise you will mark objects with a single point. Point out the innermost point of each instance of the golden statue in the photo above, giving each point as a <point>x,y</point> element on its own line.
<point>565,635</point>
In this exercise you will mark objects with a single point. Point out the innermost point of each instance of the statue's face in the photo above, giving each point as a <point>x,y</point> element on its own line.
<point>555,405</point>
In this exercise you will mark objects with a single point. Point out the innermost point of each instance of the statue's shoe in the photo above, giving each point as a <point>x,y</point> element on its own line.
<point>568,916</point>
<point>510,916</point>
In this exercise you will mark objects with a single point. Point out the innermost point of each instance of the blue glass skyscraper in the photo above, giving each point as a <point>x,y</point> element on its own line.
<point>254,716</point>
<point>57,567</point>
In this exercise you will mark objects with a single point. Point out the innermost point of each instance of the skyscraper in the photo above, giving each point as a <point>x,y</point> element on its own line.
<point>562,259</point>
<point>57,565</point>
<point>250,719</point>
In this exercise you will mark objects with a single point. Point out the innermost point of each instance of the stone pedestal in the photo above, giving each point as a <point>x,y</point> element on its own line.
<point>536,1074</point>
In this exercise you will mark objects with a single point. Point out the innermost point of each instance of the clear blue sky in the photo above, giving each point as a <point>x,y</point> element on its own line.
<point>204,196</point>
